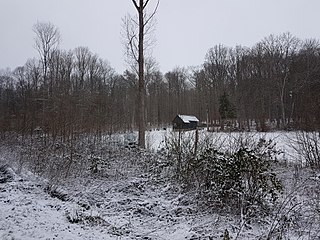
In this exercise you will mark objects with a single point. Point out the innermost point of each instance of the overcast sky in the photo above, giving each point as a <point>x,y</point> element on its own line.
<point>185,30</point>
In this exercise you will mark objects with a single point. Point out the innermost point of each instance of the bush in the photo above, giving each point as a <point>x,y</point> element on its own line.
<point>243,181</point>
<point>307,146</point>
<point>6,174</point>
<point>239,179</point>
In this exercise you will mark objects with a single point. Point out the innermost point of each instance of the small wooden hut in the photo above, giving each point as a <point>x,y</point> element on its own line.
<point>185,122</point>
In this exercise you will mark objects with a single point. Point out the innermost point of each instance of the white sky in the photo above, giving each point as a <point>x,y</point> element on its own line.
<point>185,31</point>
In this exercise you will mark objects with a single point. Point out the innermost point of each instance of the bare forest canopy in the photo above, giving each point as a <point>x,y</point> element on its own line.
<point>63,92</point>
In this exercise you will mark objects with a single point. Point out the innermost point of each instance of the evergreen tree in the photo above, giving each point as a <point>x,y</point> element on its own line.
<point>226,108</point>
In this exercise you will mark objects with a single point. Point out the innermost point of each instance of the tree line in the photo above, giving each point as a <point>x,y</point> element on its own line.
<point>274,84</point>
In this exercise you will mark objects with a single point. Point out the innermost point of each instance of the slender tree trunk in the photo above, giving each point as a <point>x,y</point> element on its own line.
<point>141,94</point>
<point>144,20</point>
<point>282,99</point>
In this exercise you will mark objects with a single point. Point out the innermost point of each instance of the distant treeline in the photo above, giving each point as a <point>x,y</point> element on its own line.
<point>65,92</point>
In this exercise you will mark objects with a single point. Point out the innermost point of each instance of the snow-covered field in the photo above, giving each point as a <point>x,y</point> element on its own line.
<point>131,200</point>
<point>285,141</point>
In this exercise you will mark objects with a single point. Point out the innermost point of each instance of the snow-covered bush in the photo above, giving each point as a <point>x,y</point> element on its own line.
<point>238,179</point>
<point>6,174</point>
<point>53,160</point>
<point>181,148</point>
<point>307,146</point>
<point>243,182</point>
<point>82,217</point>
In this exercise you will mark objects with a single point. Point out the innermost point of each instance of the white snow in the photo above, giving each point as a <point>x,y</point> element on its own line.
<point>188,118</point>
<point>127,203</point>
<point>285,141</point>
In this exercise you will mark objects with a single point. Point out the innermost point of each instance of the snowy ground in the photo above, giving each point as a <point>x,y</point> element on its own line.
<point>128,201</point>
<point>127,208</point>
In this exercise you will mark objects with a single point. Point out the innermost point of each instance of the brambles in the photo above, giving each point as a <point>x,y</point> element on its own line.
<point>239,180</point>
<point>307,146</point>
<point>6,174</point>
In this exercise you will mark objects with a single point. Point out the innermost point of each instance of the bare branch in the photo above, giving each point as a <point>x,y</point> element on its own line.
<point>135,4</point>
<point>133,48</point>
<point>153,13</point>
<point>134,21</point>
<point>146,3</point>
<point>47,40</point>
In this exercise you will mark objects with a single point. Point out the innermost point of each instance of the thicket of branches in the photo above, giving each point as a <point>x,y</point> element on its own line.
<point>274,83</point>
<point>237,177</point>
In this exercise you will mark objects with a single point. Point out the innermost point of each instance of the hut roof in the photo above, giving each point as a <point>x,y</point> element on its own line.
<point>188,118</point>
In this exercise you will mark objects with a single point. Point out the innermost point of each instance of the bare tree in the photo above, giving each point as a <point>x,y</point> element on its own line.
<point>82,60</point>
<point>216,66</point>
<point>280,51</point>
<point>47,39</point>
<point>144,25</point>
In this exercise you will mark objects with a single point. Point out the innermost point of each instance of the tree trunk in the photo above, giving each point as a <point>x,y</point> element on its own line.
<point>141,94</point>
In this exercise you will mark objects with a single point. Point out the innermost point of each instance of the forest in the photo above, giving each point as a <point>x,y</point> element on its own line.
<point>69,149</point>
<point>274,84</point>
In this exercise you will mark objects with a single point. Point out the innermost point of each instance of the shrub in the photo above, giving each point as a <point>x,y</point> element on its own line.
<point>239,179</point>
<point>307,146</point>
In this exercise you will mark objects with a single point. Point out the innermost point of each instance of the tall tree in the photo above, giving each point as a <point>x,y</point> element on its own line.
<point>216,66</point>
<point>47,40</point>
<point>279,53</point>
<point>143,23</point>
